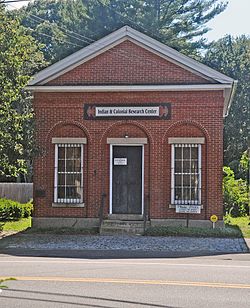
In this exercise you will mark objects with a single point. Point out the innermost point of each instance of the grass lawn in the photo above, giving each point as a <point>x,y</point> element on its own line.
<point>229,231</point>
<point>233,225</point>
<point>19,225</point>
<point>243,223</point>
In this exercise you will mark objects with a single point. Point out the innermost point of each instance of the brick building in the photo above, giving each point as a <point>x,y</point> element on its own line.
<point>130,128</point>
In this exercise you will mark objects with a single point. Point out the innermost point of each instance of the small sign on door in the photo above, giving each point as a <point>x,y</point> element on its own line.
<point>121,161</point>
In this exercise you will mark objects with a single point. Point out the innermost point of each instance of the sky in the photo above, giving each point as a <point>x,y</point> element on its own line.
<point>235,20</point>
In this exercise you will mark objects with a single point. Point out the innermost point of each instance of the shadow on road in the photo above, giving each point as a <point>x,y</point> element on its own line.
<point>79,297</point>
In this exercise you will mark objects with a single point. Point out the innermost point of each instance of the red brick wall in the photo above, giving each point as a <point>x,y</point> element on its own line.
<point>194,114</point>
<point>128,63</point>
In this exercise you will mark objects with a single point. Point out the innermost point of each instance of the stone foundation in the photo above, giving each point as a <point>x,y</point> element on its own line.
<point>64,222</point>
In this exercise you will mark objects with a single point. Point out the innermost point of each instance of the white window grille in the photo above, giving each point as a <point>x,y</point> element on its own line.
<point>186,174</point>
<point>68,173</point>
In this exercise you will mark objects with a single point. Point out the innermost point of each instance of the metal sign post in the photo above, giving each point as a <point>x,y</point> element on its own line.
<point>187,220</point>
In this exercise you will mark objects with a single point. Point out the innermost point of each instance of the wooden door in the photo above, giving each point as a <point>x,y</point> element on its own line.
<point>127,180</point>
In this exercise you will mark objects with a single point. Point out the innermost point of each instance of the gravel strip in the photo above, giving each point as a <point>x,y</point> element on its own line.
<point>130,243</point>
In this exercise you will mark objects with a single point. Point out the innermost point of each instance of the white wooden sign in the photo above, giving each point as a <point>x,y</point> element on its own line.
<point>188,208</point>
<point>118,111</point>
<point>160,111</point>
<point>121,161</point>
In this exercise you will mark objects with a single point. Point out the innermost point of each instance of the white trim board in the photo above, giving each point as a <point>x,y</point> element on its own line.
<point>128,88</point>
<point>186,140</point>
<point>127,141</point>
<point>69,140</point>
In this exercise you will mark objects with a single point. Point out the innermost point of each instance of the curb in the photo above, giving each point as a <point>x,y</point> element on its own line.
<point>247,242</point>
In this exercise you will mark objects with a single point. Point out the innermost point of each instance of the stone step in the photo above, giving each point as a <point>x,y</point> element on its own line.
<point>129,217</point>
<point>123,223</point>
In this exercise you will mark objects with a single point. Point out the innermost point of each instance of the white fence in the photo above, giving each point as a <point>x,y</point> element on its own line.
<point>21,192</point>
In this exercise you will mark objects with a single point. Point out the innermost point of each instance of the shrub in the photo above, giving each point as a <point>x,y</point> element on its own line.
<point>12,210</point>
<point>27,209</point>
<point>235,194</point>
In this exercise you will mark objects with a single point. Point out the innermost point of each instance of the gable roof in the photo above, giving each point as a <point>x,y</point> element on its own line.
<point>128,33</point>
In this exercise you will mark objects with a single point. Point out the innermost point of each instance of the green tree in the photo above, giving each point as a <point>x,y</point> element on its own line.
<point>231,56</point>
<point>235,194</point>
<point>19,58</point>
<point>180,23</point>
<point>56,25</point>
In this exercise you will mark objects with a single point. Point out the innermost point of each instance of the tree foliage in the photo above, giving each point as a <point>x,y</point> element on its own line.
<point>235,194</point>
<point>245,165</point>
<point>53,22</point>
<point>180,23</point>
<point>231,56</point>
<point>19,57</point>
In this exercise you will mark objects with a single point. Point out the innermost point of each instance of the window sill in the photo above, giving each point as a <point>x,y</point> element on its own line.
<point>68,205</point>
<point>173,206</point>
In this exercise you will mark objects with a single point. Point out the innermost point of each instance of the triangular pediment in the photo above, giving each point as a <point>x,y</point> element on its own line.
<point>127,56</point>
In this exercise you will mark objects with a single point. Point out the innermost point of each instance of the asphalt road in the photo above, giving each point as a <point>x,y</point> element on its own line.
<point>207,281</point>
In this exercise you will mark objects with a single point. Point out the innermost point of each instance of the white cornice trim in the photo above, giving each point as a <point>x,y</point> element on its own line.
<point>130,88</point>
<point>69,140</point>
<point>127,140</point>
<point>113,39</point>
<point>186,140</point>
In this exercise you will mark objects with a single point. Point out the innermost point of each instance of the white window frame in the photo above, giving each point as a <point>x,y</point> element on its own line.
<point>67,142</point>
<point>187,142</point>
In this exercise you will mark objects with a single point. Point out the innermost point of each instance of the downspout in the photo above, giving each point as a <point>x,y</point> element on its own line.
<point>231,97</point>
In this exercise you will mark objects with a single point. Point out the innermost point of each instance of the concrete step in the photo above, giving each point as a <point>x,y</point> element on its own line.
<point>122,227</point>
<point>125,217</point>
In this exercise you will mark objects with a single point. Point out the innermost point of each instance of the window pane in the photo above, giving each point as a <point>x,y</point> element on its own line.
<point>194,180</point>
<point>72,193</point>
<point>70,153</point>
<point>61,165</point>
<point>77,152</point>
<point>186,193</point>
<point>77,165</point>
<point>186,166</point>
<point>186,153</point>
<point>194,194</point>
<point>61,179</point>
<point>70,166</point>
<point>177,180</point>
<point>194,152</point>
<point>194,166</point>
<point>73,152</point>
<point>61,152</point>
<point>178,153</point>
<point>73,165</point>
<point>178,166</point>
<point>178,193</point>
<point>73,179</point>
<point>186,180</point>
<point>61,192</point>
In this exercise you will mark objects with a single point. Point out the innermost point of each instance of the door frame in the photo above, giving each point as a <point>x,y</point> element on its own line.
<point>111,174</point>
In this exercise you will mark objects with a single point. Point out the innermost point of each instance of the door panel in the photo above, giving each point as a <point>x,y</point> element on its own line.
<point>127,180</point>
